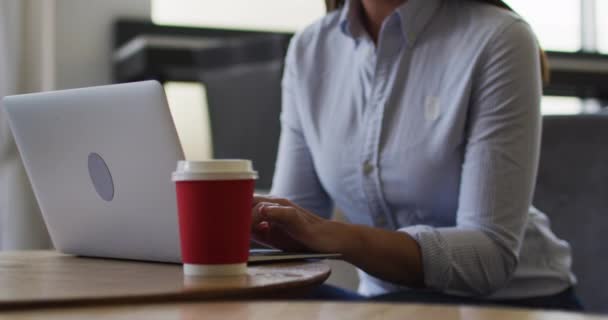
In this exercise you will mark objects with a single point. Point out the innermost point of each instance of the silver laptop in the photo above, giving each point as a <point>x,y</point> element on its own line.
<point>100,160</point>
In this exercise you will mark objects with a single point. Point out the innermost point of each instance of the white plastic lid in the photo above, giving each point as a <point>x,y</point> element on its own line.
<point>220,169</point>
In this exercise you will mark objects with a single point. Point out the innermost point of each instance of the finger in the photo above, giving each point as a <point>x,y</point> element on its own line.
<point>257,198</point>
<point>285,216</point>
<point>271,199</point>
<point>260,206</point>
<point>260,198</point>
<point>262,226</point>
<point>256,212</point>
<point>276,200</point>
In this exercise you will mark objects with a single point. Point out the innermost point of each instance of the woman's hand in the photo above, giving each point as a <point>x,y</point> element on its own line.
<point>284,225</point>
<point>389,255</point>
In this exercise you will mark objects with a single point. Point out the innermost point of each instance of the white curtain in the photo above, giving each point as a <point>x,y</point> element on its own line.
<point>21,225</point>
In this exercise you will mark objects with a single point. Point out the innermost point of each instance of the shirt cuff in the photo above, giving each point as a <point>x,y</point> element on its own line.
<point>436,259</point>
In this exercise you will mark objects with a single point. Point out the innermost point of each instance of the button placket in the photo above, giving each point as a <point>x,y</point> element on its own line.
<point>385,55</point>
<point>381,59</point>
<point>368,171</point>
<point>379,218</point>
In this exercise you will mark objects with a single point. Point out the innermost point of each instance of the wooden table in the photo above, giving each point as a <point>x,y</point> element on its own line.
<point>292,310</point>
<point>47,278</point>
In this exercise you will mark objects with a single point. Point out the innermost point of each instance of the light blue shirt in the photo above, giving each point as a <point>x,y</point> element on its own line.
<point>434,132</point>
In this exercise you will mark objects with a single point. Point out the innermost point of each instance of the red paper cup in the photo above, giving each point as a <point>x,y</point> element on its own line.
<point>214,200</point>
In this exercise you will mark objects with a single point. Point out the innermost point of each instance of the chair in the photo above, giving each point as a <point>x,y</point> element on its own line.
<point>244,104</point>
<point>572,189</point>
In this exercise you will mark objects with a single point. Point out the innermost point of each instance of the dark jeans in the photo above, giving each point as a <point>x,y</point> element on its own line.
<point>565,300</point>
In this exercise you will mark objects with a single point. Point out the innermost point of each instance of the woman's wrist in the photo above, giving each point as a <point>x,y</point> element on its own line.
<point>346,239</point>
<point>369,248</point>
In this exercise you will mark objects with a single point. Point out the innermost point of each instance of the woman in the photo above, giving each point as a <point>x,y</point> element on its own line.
<point>419,119</point>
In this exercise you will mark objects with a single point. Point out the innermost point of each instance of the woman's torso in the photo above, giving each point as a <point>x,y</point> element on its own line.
<point>387,127</point>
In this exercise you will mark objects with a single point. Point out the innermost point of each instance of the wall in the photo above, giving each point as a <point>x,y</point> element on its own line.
<point>83,34</point>
<point>59,44</point>
<point>21,70</point>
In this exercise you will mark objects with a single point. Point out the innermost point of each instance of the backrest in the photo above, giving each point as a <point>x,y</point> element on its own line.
<point>244,107</point>
<point>572,189</point>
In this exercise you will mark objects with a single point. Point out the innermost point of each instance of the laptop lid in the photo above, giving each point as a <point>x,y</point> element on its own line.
<point>99,160</point>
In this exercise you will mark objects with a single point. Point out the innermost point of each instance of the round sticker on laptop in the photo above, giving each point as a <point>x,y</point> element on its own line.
<point>101,177</point>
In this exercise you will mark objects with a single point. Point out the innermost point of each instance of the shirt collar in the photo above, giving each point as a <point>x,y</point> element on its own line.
<point>350,19</point>
<point>414,16</point>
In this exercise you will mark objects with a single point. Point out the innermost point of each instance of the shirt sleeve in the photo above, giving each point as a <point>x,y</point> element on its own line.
<point>295,177</point>
<point>480,254</point>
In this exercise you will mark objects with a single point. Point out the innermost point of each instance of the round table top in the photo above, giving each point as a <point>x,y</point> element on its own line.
<point>293,310</point>
<point>49,278</point>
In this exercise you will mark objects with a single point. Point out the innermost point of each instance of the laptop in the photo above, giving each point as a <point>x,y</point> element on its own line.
<point>100,161</point>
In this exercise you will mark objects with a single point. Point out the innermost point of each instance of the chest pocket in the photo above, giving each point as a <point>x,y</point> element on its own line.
<point>432,108</point>
<point>416,123</point>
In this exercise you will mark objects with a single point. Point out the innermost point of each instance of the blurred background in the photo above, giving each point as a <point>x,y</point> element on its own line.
<point>218,59</point>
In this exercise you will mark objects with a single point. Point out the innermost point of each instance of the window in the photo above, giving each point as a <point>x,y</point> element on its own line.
<point>602,25</point>
<point>558,26</point>
<point>188,106</point>
<point>557,23</point>
<point>551,105</point>
<point>263,15</point>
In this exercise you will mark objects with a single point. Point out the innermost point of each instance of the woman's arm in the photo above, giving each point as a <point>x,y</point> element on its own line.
<point>392,256</point>
<point>295,176</point>
<point>479,254</point>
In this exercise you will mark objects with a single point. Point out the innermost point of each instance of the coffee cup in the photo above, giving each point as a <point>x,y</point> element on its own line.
<point>214,200</point>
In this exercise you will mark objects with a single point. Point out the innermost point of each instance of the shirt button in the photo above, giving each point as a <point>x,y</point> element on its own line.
<point>367,168</point>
